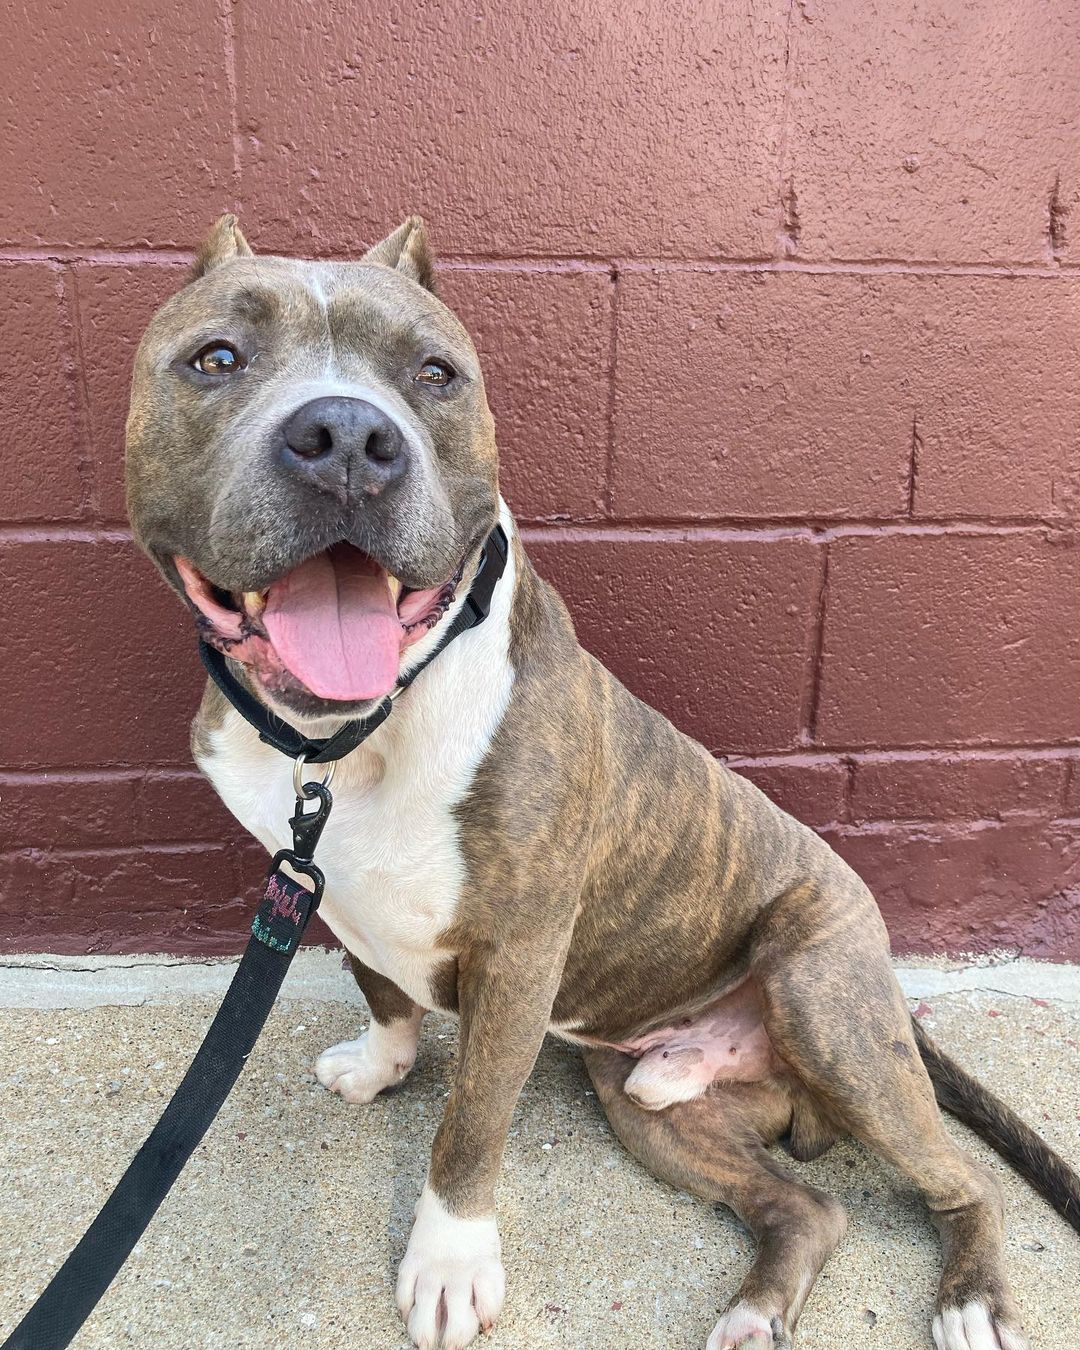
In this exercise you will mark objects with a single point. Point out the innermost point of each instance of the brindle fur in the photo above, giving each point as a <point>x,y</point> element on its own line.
<point>620,878</point>
<point>665,878</point>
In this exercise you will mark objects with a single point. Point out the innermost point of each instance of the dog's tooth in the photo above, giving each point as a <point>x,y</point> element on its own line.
<point>395,587</point>
<point>254,602</point>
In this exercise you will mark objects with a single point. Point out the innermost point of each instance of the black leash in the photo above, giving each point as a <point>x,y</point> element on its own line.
<point>74,1291</point>
<point>286,907</point>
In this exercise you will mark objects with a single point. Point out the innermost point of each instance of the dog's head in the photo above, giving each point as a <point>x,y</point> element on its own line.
<point>311,462</point>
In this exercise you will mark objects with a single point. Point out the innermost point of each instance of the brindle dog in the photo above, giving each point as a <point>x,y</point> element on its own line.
<point>312,465</point>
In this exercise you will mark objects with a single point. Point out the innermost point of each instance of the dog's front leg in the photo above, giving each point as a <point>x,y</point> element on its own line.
<point>450,1283</point>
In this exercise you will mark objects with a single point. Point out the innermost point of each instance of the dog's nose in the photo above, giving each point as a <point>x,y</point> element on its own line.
<point>340,443</point>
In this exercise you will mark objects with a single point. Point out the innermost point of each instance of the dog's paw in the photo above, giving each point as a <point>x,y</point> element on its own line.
<point>450,1285</point>
<point>975,1327</point>
<point>359,1070</point>
<point>744,1328</point>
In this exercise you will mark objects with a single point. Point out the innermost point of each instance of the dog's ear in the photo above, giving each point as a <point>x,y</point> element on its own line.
<point>223,243</point>
<point>407,250</point>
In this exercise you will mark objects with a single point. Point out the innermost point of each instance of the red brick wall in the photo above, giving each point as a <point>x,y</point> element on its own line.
<point>781,309</point>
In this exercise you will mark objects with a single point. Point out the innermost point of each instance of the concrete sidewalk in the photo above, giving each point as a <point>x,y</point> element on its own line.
<point>286,1227</point>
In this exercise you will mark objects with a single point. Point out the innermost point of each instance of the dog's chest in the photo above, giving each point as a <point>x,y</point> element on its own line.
<point>391,850</point>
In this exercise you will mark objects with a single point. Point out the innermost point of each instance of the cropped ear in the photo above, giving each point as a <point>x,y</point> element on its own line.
<point>407,250</point>
<point>221,245</point>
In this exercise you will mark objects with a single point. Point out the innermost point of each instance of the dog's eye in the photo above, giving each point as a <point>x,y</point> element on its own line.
<point>219,358</point>
<point>435,372</point>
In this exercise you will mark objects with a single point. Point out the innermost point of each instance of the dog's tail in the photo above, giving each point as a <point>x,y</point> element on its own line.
<point>965,1097</point>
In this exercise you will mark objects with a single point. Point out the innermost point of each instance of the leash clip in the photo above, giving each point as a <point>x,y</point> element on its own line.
<point>286,905</point>
<point>307,826</point>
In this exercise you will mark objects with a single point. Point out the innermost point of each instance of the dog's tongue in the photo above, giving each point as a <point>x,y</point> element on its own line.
<point>334,624</point>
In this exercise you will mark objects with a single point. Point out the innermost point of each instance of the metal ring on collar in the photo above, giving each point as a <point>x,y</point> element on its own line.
<point>298,774</point>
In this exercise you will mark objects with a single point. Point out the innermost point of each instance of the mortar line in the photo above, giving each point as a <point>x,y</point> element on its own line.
<point>466,263</point>
<point>613,356</point>
<point>913,463</point>
<point>56,532</point>
<point>821,529</point>
<point>114,772</point>
<point>138,847</point>
<point>599,262</point>
<point>795,756</point>
<point>809,717</point>
<point>75,253</point>
<point>786,240</point>
<point>84,772</point>
<point>227,12</point>
<point>78,392</point>
<point>823,754</point>
<point>818,529</point>
<point>1062,748</point>
<point>843,267</point>
<point>847,801</point>
<point>950,826</point>
<point>1067,783</point>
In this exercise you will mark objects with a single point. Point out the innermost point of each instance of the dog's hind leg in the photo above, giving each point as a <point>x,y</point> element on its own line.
<point>836,1016</point>
<point>714,1147</point>
<point>382,1055</point>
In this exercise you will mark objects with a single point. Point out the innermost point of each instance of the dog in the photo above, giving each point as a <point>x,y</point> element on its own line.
<point>311,464</point>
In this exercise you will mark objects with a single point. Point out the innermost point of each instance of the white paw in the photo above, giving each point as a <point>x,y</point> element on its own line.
<point>974,1327</point>
<point>450,1283</point>
<point>359,1070</point>
<point>745,1328</point>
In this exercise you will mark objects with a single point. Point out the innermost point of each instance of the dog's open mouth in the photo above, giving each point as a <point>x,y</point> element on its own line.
<point>336,624</point>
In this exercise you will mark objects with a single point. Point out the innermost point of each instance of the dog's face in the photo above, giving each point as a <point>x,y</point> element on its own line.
<point>311,462</point>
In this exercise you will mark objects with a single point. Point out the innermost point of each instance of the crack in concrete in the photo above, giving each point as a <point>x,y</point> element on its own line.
<point>114,963</point>
<point>317,976</point>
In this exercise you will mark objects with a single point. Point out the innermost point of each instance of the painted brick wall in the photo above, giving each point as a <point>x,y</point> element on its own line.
<point>781,308</point>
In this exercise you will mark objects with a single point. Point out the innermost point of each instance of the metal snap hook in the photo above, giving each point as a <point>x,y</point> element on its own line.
<point>298,774</point>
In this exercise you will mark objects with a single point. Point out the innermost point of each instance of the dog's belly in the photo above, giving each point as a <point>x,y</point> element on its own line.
<point>729,1035</point>
<point>725,1042</point>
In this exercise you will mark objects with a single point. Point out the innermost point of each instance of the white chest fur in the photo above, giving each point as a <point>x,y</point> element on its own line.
<point>390,852</point>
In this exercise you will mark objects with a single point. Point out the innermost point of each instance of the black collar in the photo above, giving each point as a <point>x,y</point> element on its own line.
<point>278,733</point>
